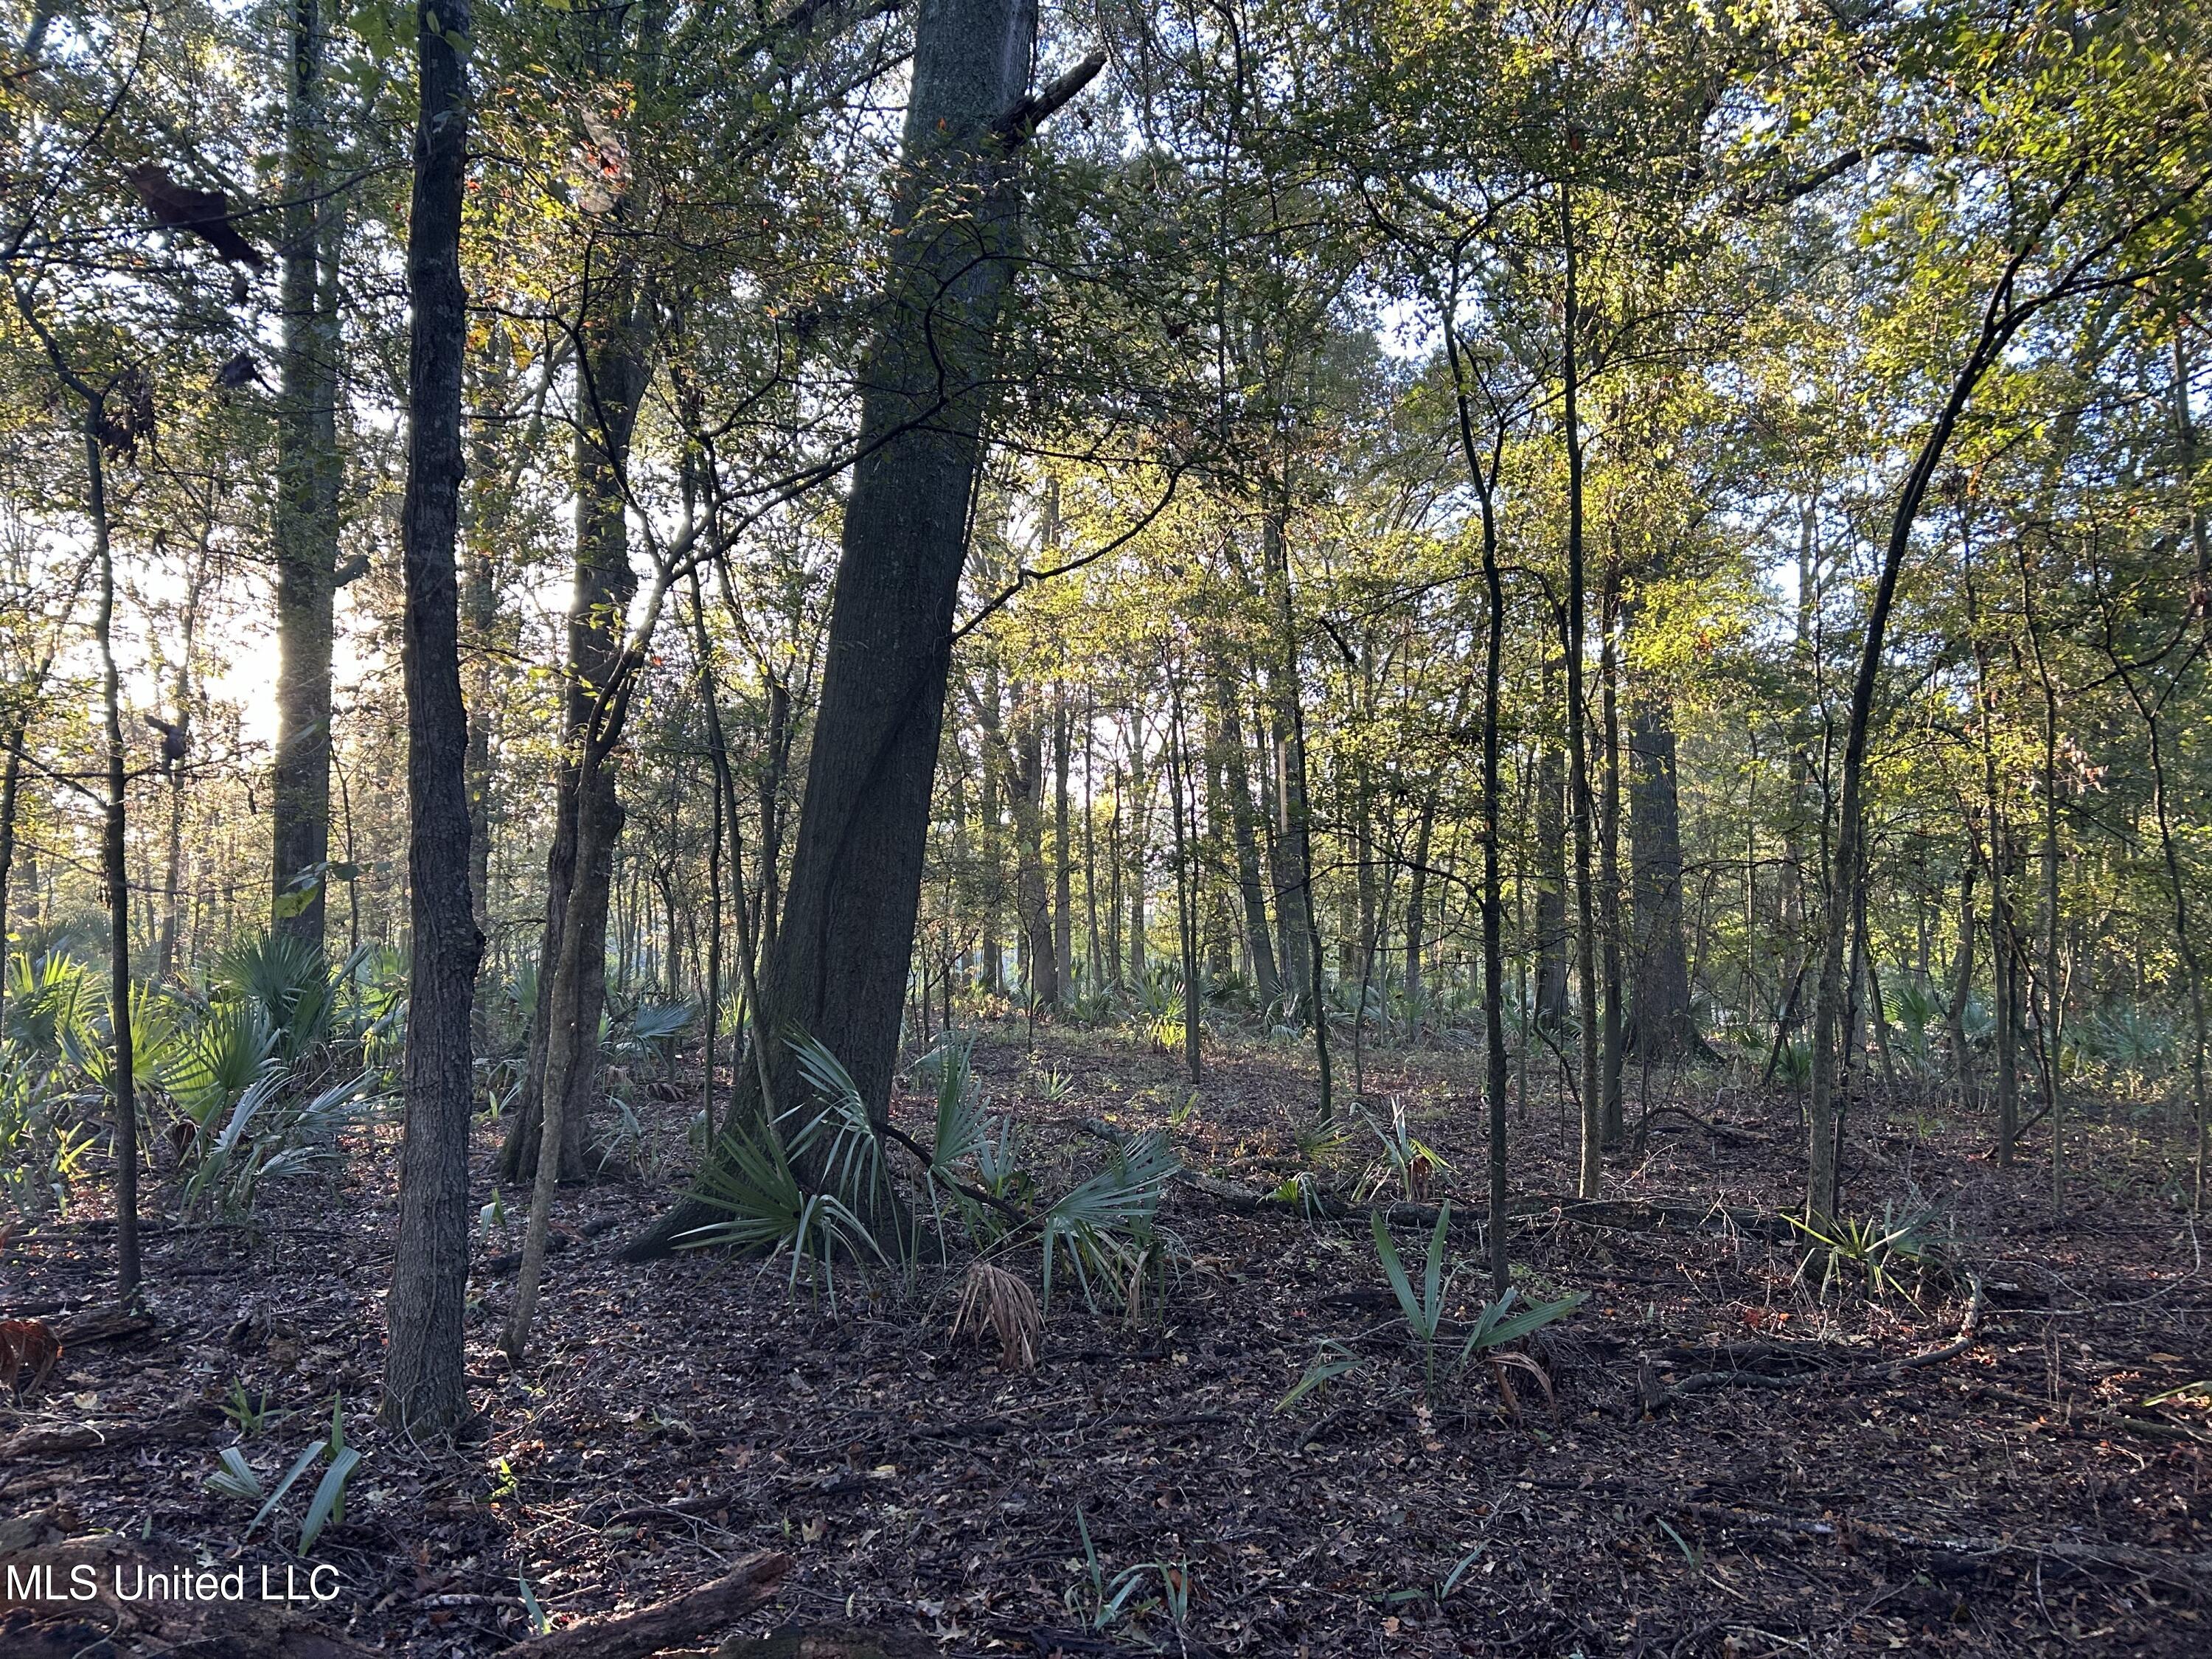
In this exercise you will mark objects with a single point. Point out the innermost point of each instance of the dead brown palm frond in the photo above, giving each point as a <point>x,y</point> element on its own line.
<point>26,1345</point>
<point>1501,1362</point>
<point>997,1301</point>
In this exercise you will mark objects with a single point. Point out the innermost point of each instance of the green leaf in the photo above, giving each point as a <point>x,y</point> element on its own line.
<point>236,1478</point>
<point>329,1494</point>
<point>305,1462</point>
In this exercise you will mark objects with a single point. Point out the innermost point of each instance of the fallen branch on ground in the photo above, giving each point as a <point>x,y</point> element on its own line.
<point>84,1437</point>
<point>648,1630</point>
<point>1626,1215</point>
<point>2172,1567</point>
<point>1654,1396</point>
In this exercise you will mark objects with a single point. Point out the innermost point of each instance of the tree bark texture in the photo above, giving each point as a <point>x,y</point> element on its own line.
<point>839,968</point>
<point>423,1386</point>
<point>309,472</point>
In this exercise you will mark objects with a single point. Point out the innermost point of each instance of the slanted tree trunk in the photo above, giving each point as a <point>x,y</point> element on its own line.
<point>1483,473</point>
<point>11,780</point>
<point>423,1386</point>
<point>2002,319</point>
<point>580,867</point>
<point>1665,1026</point>
<point>839,969</point>
<point>308,475</point>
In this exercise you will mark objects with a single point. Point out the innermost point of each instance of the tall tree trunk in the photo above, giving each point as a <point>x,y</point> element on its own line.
<point>1485,479</point>
<point>1608,875</point>
<point>1024,760</point>
<point>11,779</point>
<point>1296,836</point>
<point>1093,956</point>
<point>1063,874</point>
<point>1237,783</point>
<point>2000,321</point>
<point>1962,980</point>
<point>1113,882</point>
<point>308,489</point>
<point>115,872</point>
<point>1181,792</point>
<point>1417,896</point>
<point>1551,921</point>
<point>993,854</point>
<point>580,867</point>
<point>839,969</point>
<point>176,738</point>
<point>1999,867</point>
<point>768,902</point>
<point>423,1386</point>
<point>1591,1174</point>
<point>1141,788</point>
<point>1664,1023</point>
<point>2053,1011</point>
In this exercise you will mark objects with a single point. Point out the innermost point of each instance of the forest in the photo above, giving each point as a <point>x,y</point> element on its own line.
<point>882,828</point>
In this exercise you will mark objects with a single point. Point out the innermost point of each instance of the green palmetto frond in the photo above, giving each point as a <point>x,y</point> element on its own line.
<point>1099,1223</point>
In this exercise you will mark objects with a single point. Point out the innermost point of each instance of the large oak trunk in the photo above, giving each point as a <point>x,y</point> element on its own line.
<point>838,971</point>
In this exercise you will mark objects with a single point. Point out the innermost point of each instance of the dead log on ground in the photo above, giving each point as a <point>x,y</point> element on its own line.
<point>666,1624</point>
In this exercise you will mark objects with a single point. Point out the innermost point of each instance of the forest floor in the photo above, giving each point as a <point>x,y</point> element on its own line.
<point>1799,1495</point>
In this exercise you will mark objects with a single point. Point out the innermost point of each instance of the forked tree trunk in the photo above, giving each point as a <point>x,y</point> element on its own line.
<point>423,1386</point>
<point>839,969</point>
